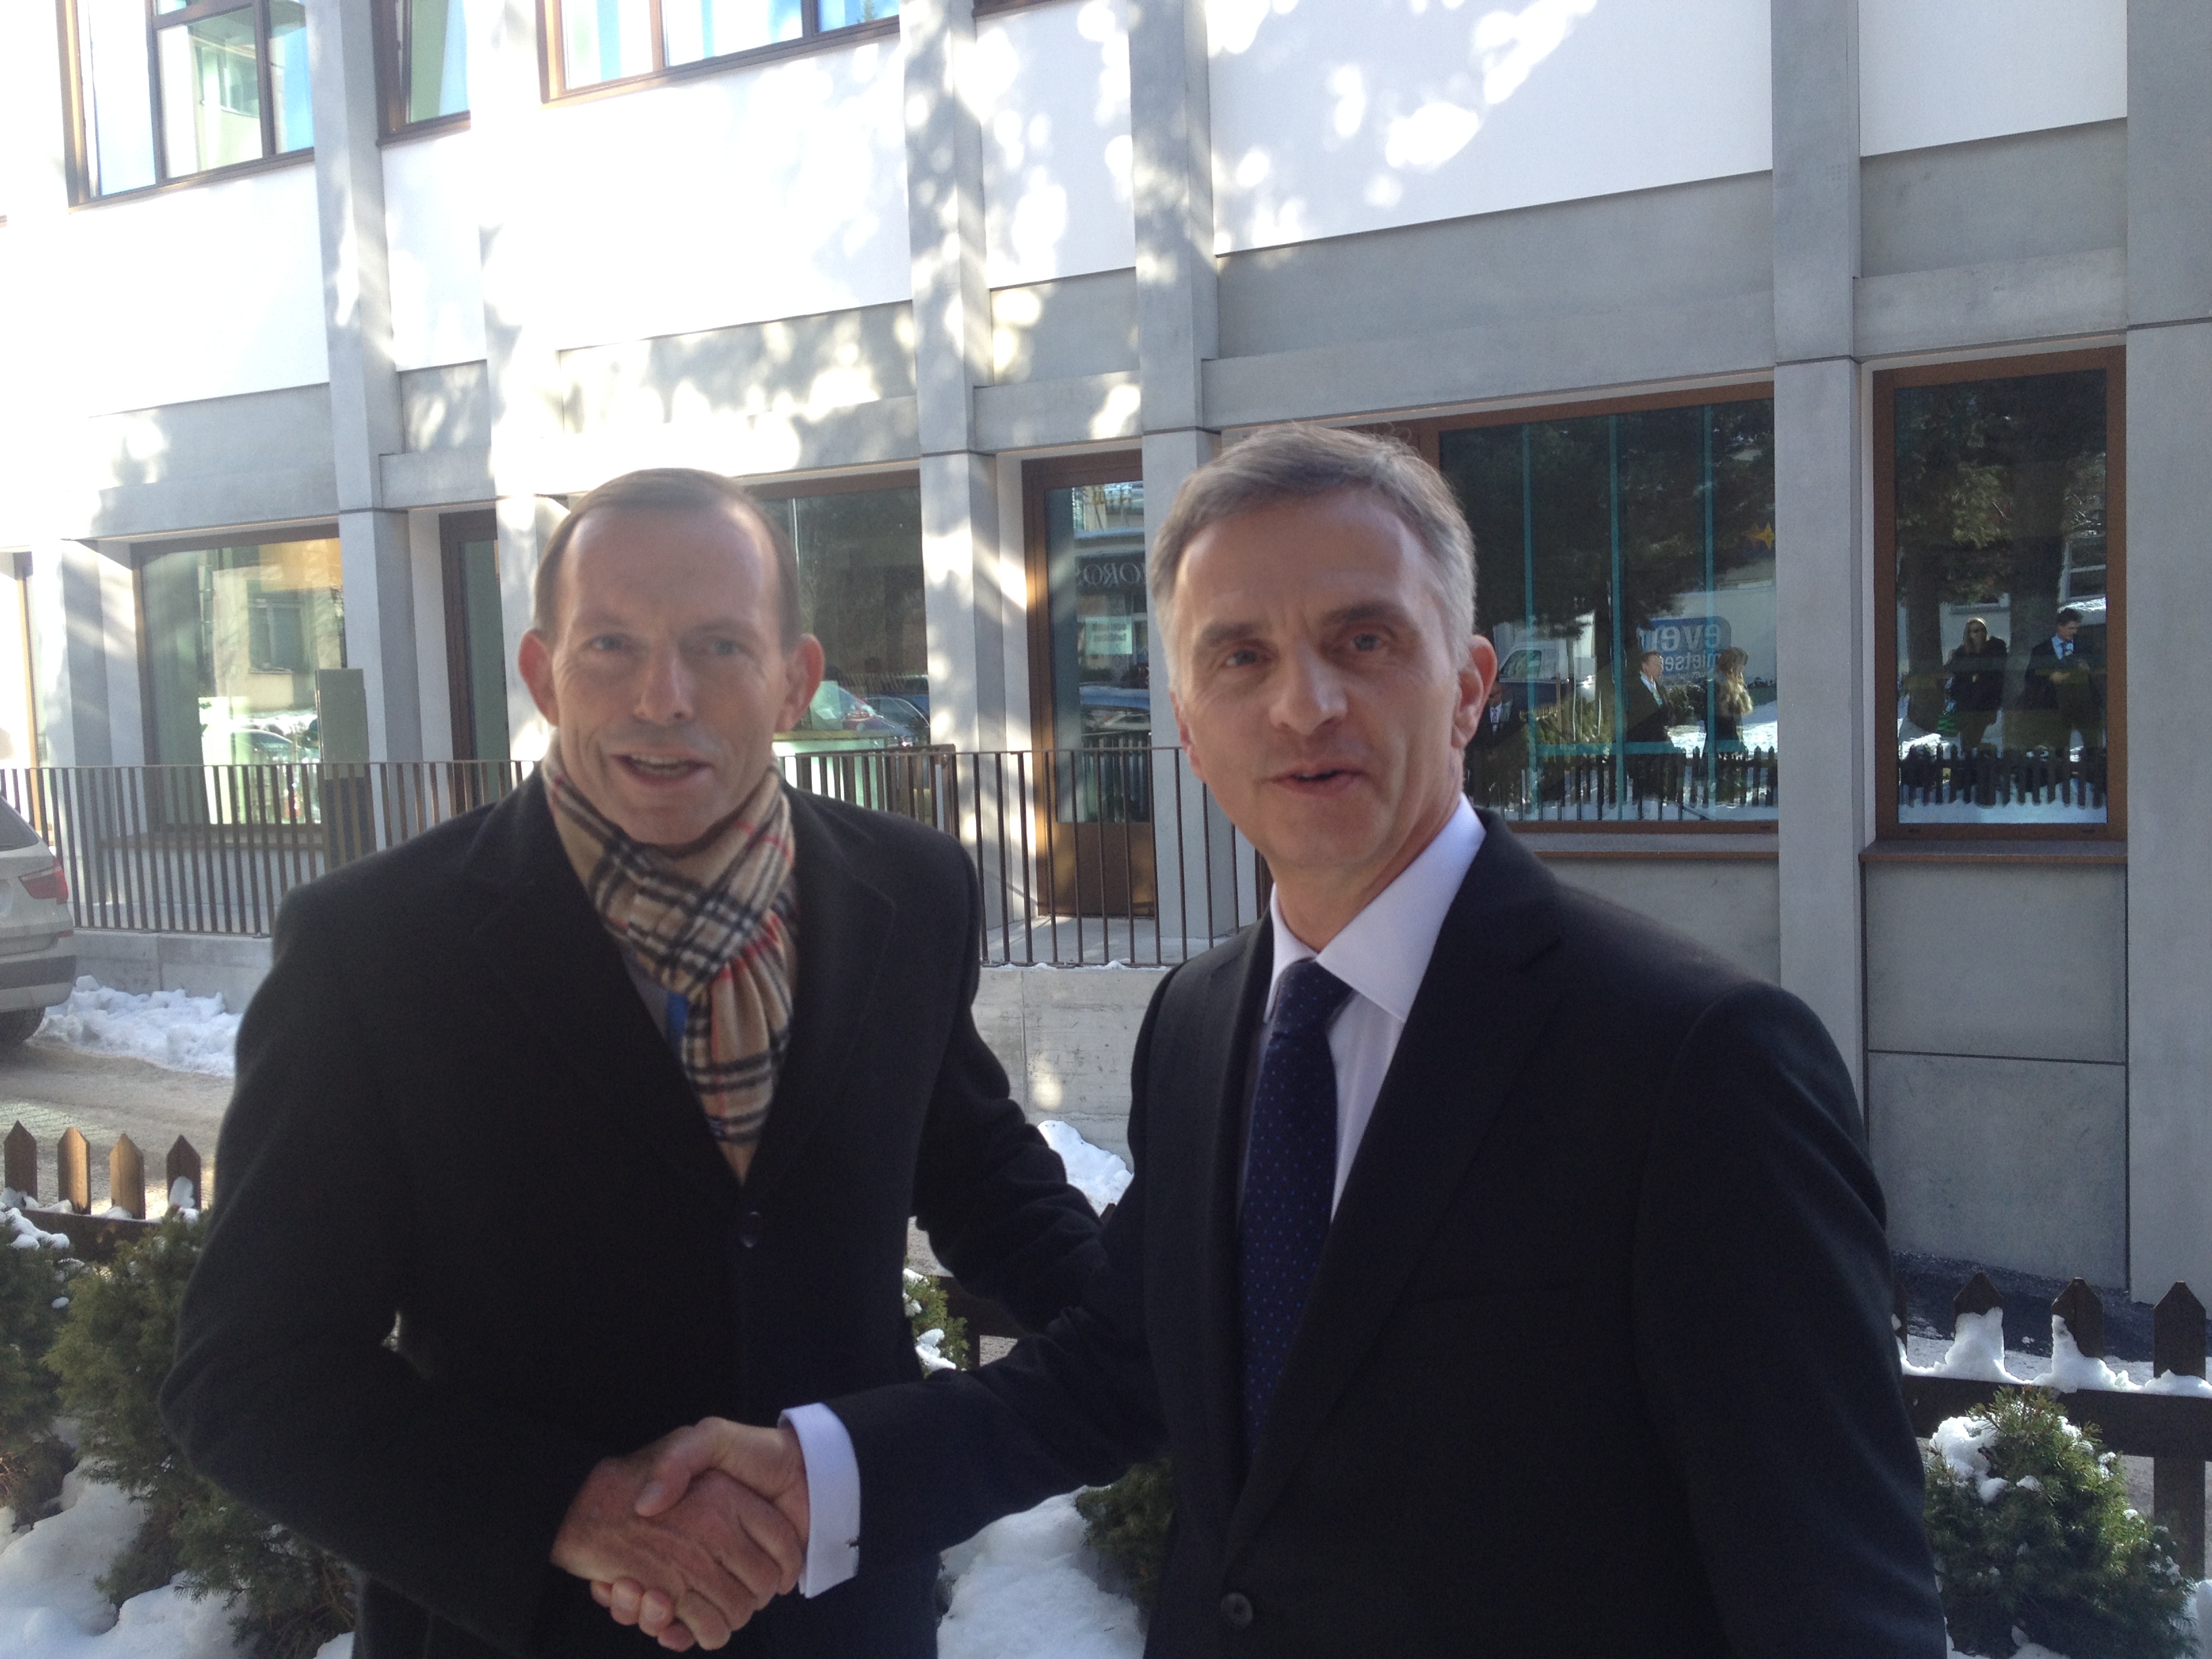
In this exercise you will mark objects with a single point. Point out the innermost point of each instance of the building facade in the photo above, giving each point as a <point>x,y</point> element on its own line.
<point>1858,347</point>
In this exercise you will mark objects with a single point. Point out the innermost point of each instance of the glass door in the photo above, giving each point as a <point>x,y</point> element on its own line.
<point>475,643</point>
<point>1090,647</point>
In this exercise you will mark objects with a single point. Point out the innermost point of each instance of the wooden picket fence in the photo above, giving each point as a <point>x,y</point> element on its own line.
<point>95,1237</point>
<point>2173,1431</point>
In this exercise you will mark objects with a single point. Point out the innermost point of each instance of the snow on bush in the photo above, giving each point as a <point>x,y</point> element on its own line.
<point>174,1029</point>
<point>1091,1170</point>
<point>1026,1591</point>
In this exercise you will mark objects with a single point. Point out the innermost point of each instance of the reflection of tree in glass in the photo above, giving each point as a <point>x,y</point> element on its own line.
<point>1995,480</point>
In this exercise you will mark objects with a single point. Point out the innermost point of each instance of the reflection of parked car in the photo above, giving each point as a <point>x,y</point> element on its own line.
<point>38,938</point>
<point>1115,708</point>
<point>836,718</point>
<point>1533,677</point>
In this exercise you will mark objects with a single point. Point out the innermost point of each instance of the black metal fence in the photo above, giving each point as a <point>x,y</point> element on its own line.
<point>1093,855</point>
<point>1950,776</point>
<point>1649,783</point>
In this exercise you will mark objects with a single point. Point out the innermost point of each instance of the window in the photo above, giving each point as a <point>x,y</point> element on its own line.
<point>861,594</point>
<point>1625,572</point>
<point>168,89</point>
<point>422,47</point>
<point>235,637</point>
<point>1999,614</point>
<point>475,638</point>
<point>600,41</point>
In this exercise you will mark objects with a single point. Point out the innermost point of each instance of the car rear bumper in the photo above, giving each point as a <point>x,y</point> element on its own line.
<point>36,982</point>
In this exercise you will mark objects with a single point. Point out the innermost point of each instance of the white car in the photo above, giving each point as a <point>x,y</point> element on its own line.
<point>38,936</point>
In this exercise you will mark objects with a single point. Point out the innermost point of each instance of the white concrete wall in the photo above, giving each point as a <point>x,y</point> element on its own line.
<point>15,412</point>
<point>200,293</point>
<point>203,966</point>
<point>430,225</point>
<point>1947,71</point>
<point>1336,115</point>
<point>1050,87</point>
<point>1064,1035</point>
<point>774,191</point>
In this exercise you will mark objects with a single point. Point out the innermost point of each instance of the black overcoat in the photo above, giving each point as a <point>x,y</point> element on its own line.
<point>453,1109</point>
<point>1598,1361</point>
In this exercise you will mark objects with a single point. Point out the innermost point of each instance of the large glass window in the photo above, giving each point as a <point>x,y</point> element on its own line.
<point>235,637</point>
<point>188,86</point>
<point>425,47</point>
<point>2002,623</point>
<point>476,640</point>
<point>1625,572</point>
<point>861,594</point>
<point>604,40</point>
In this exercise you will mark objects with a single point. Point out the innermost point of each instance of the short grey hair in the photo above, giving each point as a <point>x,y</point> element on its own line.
<point>1280,463</point>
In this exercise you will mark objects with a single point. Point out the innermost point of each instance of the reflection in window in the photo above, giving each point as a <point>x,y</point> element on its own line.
<point>235,636</point>
<point>429,40</point>
<point>1101,635</point>
<point>861,594</point>
<point>230,86</point>
<point>604,40</point>
<point>1625,572</point>
<point>2002,665</point>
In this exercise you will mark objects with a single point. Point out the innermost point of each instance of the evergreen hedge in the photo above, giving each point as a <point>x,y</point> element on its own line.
<point>34,1289</point>
<point>2032,1533</point>
<point>1126,1524</point>
<point>287,1597</point>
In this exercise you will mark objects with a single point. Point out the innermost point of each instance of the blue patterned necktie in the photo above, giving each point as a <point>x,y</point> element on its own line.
<point>1290,1179</point>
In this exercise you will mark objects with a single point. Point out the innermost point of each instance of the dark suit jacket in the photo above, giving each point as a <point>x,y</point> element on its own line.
<point>2070,685</point>
<point>1647,716</point>
<point>452,1106</point>
<point>1598,1361</point>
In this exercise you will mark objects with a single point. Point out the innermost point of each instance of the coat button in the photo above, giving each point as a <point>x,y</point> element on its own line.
<point>1237,1609</point>
<point>749,1228</point>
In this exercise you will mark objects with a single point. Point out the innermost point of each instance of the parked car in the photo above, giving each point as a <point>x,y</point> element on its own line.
<point>837,720</point>
<point>38,936</point>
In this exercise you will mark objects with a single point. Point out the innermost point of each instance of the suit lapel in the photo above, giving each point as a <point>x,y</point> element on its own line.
<point>844,928</point>
<point>546,945</point>
<point>1470,1033</point>
<point>1236,993</point>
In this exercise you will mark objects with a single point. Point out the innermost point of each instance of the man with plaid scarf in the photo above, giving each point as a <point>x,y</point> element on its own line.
<point>599,1111</point>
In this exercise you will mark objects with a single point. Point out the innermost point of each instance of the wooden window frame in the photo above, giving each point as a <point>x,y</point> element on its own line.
<point>552,72</point>
<point>2112,360</point>
<point>391,80</point>
<point>1426,436</point>
<point>77,160</point>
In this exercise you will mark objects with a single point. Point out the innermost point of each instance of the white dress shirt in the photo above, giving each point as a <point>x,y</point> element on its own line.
<point>1382,954</point>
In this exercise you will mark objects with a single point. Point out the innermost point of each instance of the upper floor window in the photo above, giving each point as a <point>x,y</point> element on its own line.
<point>1625,572</point>
<point>424,48</point>
<point>1999,616</point>
<point>168,89</point>
<point>604,40</point>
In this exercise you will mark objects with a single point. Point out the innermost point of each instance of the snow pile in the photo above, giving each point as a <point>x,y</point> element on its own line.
<point>1976,1350</point>
<point>1025,1593</point>
<point>2072,1371</point>
<point>1963,1443</point>
<point>50,1608</point>
<point>174,1029</point>
<point>1091,1170</point>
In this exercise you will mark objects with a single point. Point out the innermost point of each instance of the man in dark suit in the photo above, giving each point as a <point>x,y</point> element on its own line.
<point>1645,714</point>
<point>550,1087</point>
<point>1497,750</point>
<point>1504,1273</point>
<point>2061,693</point>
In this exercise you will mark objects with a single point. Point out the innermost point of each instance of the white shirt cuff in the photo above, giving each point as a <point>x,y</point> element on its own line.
<point>833,1498</point>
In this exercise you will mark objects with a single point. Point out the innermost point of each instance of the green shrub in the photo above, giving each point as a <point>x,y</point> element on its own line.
<point>926,1306</point>
<point>287,1597</point>
<point>1126,1524</point>
<point>2030,1522</point>
<point>31,1461</point>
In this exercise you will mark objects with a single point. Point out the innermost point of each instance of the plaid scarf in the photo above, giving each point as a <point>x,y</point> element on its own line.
<point>714,923</point>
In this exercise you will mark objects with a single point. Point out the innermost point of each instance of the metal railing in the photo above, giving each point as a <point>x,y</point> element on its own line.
<point>1073,865</point>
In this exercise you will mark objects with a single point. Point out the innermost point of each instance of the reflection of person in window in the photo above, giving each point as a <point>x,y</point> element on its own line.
<point>1646,712</point>
<point>1497,753</point>
<point>1976,687</point>
<point>1731,698</point>
<point>2059,692</point>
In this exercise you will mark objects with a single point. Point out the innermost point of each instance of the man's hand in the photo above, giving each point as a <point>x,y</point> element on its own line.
<point>767,1462</point>
<point>712,1553</point>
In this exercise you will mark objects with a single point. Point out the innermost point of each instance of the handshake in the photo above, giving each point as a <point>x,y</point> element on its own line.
<point>691,1536</point>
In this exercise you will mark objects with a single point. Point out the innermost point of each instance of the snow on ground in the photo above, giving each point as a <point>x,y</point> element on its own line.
<point>51,1609</point>
<point>1091,1170</point>
<point>1026,1591</point>
<point>174,1029</point>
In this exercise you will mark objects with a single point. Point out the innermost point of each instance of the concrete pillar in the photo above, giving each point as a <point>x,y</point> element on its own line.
<point>1178,330</point>
<point>1823,584</point>
<point>966,608</point>
<point>518,239</point>
<point>2168,617</point>
<point>365,422</point>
